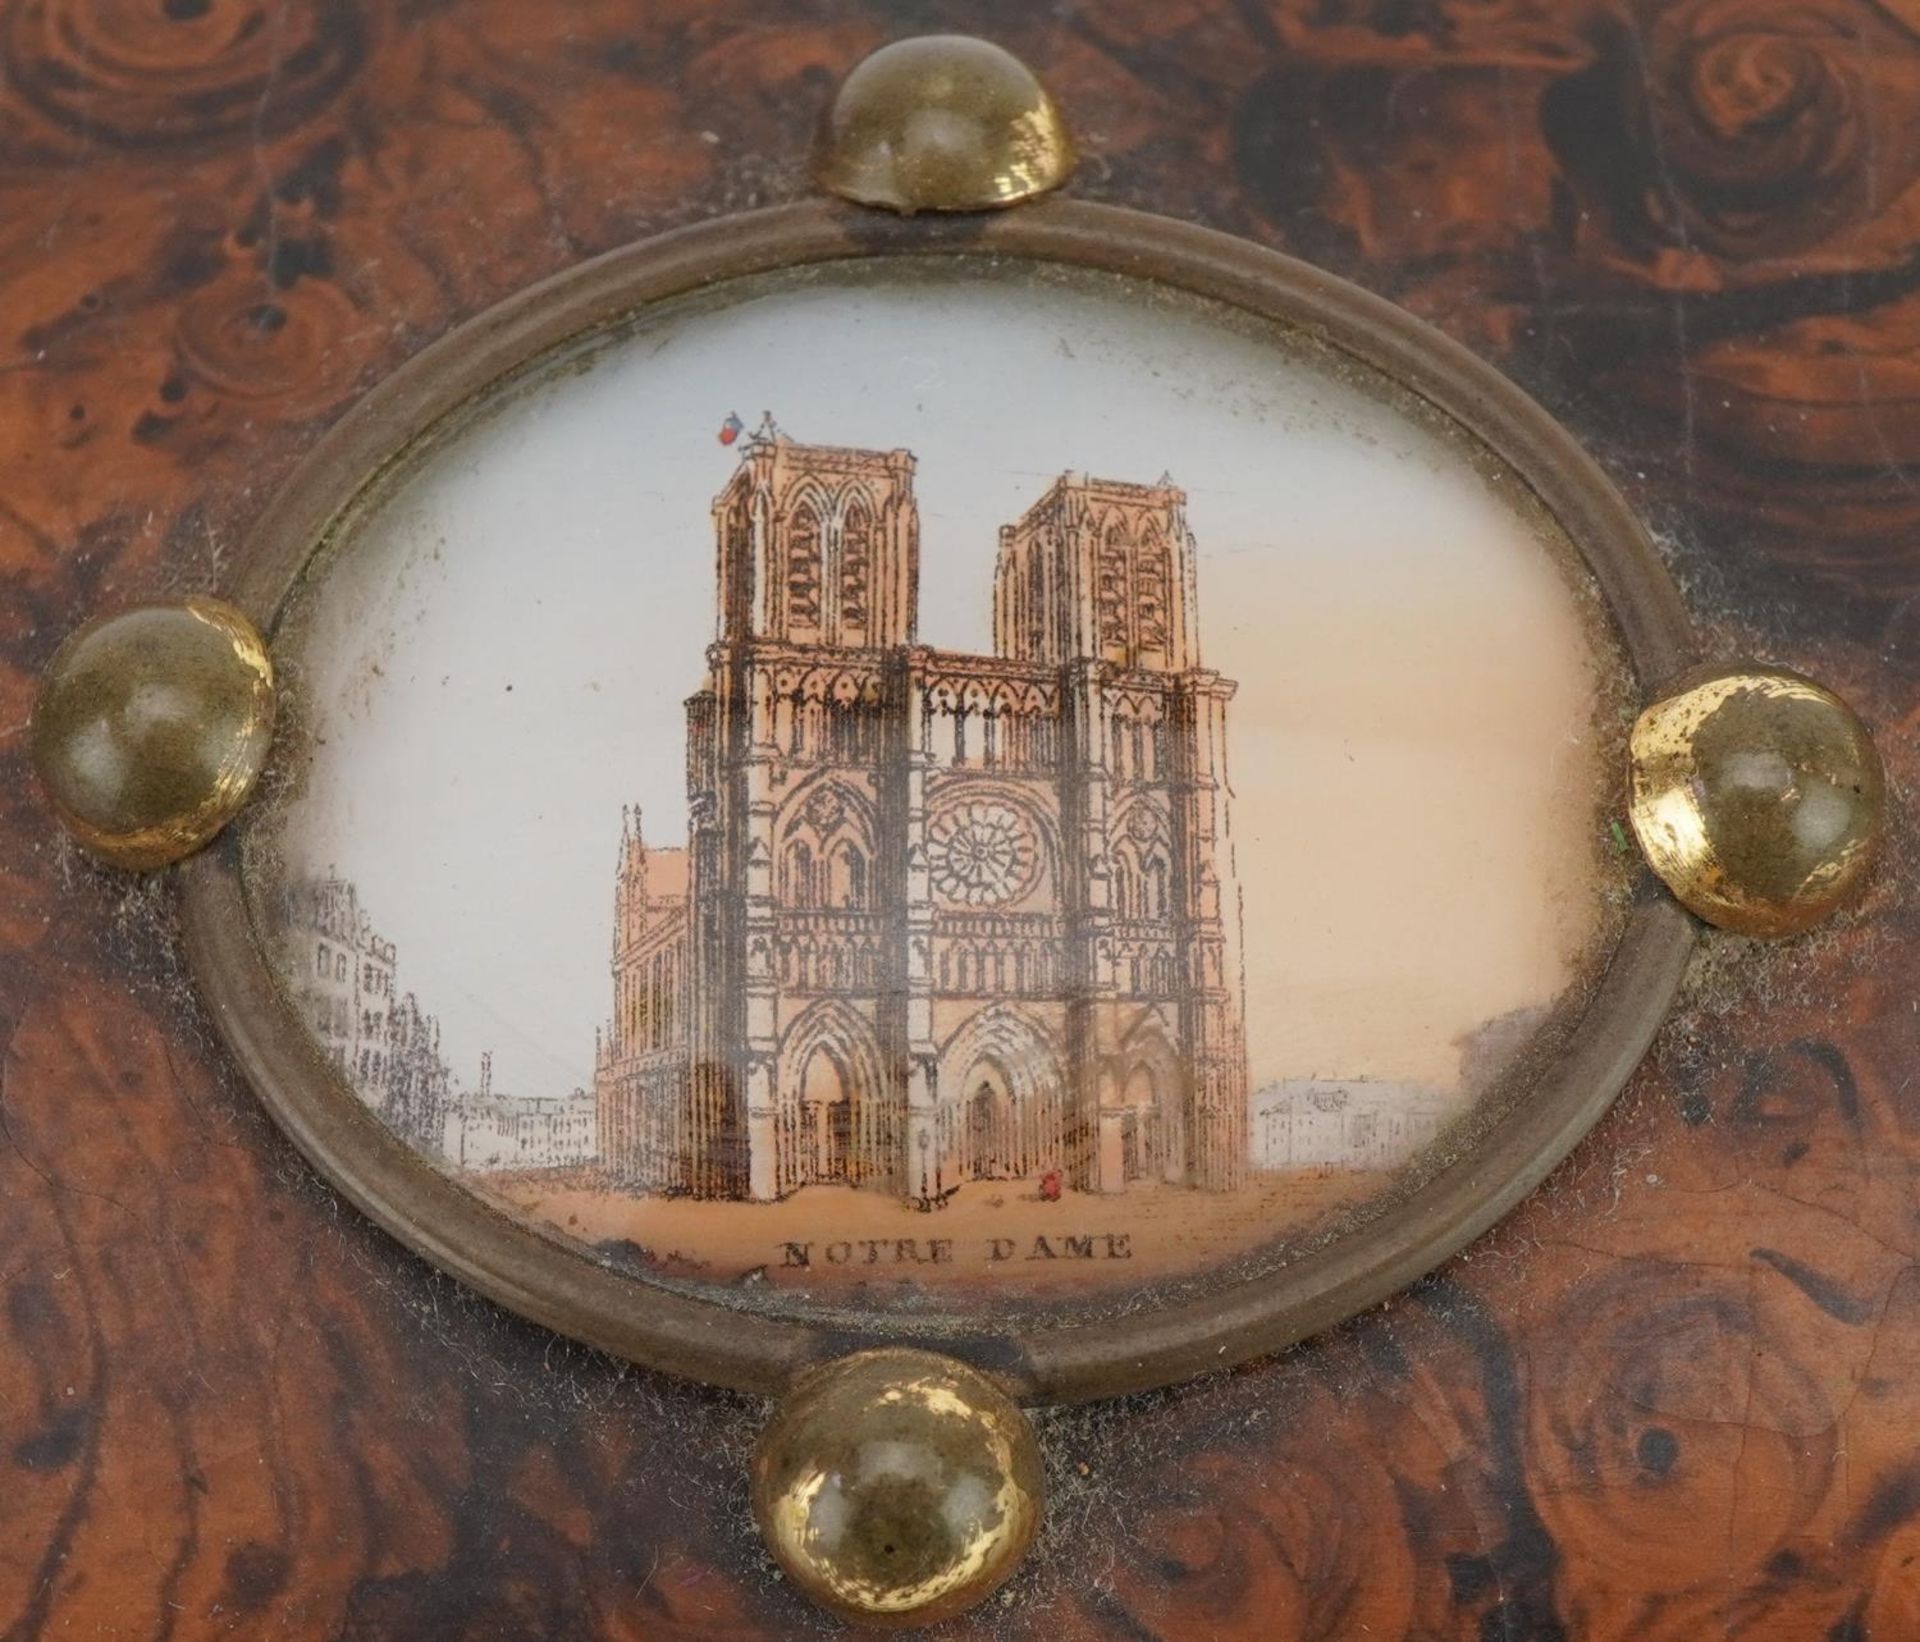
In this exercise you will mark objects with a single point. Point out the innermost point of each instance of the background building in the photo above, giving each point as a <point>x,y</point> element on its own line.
<point>640,1061</point>
<point>943,917</point>
<point>344,981</point>
<point>488,1131</point>
<point>389,1049</point>
<point>1346,1123</point>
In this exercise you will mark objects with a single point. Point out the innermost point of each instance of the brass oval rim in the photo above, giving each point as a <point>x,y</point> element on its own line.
<point>720,1338</point>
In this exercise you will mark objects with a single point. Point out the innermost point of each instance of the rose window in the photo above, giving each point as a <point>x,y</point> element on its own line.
<point>982,854</point>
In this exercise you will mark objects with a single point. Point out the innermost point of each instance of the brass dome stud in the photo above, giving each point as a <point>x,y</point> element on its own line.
<point>897,1487</point>
<point>1757,796</point>
<point>151,727</point>
<point>944,122</point>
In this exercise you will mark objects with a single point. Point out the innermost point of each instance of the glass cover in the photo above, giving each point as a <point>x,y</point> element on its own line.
<point>963,783</point>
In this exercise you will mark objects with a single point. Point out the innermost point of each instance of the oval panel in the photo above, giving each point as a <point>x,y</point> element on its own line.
<point>993,788</point>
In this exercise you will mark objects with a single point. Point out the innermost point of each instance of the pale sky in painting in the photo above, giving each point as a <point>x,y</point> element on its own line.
<point>499,657</point>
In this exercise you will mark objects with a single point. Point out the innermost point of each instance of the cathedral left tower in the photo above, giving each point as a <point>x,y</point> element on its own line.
<point>797,769</point>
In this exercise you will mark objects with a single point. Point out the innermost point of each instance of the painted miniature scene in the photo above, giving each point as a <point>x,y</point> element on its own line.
<point>948,861</point>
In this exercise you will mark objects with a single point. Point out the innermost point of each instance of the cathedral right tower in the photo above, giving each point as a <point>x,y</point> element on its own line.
<point>1097,579</point>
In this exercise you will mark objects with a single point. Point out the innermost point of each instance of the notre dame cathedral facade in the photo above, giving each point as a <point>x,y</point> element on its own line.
<point>941,917</point>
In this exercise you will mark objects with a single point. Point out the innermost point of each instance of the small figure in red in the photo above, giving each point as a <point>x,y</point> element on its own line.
<point>1050,1186</point>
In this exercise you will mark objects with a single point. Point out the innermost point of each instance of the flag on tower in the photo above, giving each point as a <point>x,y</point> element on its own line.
<point>731,429</point>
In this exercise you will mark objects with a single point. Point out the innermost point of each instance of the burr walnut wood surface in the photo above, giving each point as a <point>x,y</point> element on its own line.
<point>1675,1396</point>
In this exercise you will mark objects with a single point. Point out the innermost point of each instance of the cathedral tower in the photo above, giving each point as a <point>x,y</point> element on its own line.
<point>797,765</point>
<point>818,545</point>
<point>1097,579</point>
<point>1100,570</point>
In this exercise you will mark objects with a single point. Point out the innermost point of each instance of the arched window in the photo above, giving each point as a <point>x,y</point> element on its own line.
<point>1150,594</point>
<point>737,566</point>
<point>803,572</point>
<point>1123,888</point>
<point>798,890</point>
<point>1037,604</point>
<point>1153,883</point>
<point>1111,593</point>
<point>856,571</point>
<point>850,876</point>
<point>847,740</point>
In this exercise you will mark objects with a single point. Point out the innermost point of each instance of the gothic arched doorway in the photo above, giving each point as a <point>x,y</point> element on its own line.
<point>1143,1137</point>
<point>832,1117</point>
<point>1143,1122</point>
<point>826,1116</point>
<point>1002,1103</point>
<point>992,1143</point>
